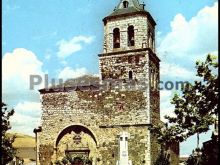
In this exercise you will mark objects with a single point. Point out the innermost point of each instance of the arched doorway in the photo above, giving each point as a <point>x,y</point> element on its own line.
<point>76,142</point>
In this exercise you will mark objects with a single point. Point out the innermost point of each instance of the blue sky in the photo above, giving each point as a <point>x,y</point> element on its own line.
<point>63,38</point>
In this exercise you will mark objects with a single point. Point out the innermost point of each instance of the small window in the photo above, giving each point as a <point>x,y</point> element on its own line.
<point>116,38</point>
<point>121,138</point>
<point>131,36</point>
<point>126,138</point>
<point>125,4</point>
<point>130,75</point>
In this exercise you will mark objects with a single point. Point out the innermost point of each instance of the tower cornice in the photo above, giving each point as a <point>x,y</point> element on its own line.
<point>154,56</point>
<point>142,13</point>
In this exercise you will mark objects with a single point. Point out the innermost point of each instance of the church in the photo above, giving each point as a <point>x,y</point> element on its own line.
<point>106,119</point>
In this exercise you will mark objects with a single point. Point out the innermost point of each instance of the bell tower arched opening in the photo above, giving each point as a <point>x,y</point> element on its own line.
<point>131,36</point>
<point>116,38</point>
<point>125,4</point>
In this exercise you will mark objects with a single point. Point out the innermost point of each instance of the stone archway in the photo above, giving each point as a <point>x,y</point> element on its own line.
<point>76,141</point>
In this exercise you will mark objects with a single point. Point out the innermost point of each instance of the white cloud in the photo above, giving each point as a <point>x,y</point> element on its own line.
<point>22,62</point>
<point>198,36</point>
<point>188,41</point>
<point>17,67</point>
<point>166,108</point>
<point>68,73</point>
<point>174,70</point>
<point>26,117</point>
<point>31,109</point>
<point>67,48</point>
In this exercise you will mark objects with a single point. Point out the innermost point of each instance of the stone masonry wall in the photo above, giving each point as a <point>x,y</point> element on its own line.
<point>106,114</point>
<point>140,29</point>
<point>137,145</point>
<point>99,116</point>
<point>118,66</point>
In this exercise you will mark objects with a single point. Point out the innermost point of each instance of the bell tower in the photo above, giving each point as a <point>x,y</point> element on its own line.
<point>129,58</point>
<point>129,27</point>
<point>129,45</point>
<point>109,126</point>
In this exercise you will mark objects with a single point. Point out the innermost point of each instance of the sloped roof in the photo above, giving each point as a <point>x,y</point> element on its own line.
<point>133,6</point>
<point>87,82</point>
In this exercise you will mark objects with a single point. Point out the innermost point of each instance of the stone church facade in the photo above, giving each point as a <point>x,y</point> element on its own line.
<point>86,119</point>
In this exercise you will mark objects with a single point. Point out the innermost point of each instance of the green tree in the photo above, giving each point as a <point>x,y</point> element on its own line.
<point>8,152</point>
<point>195,108</point>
